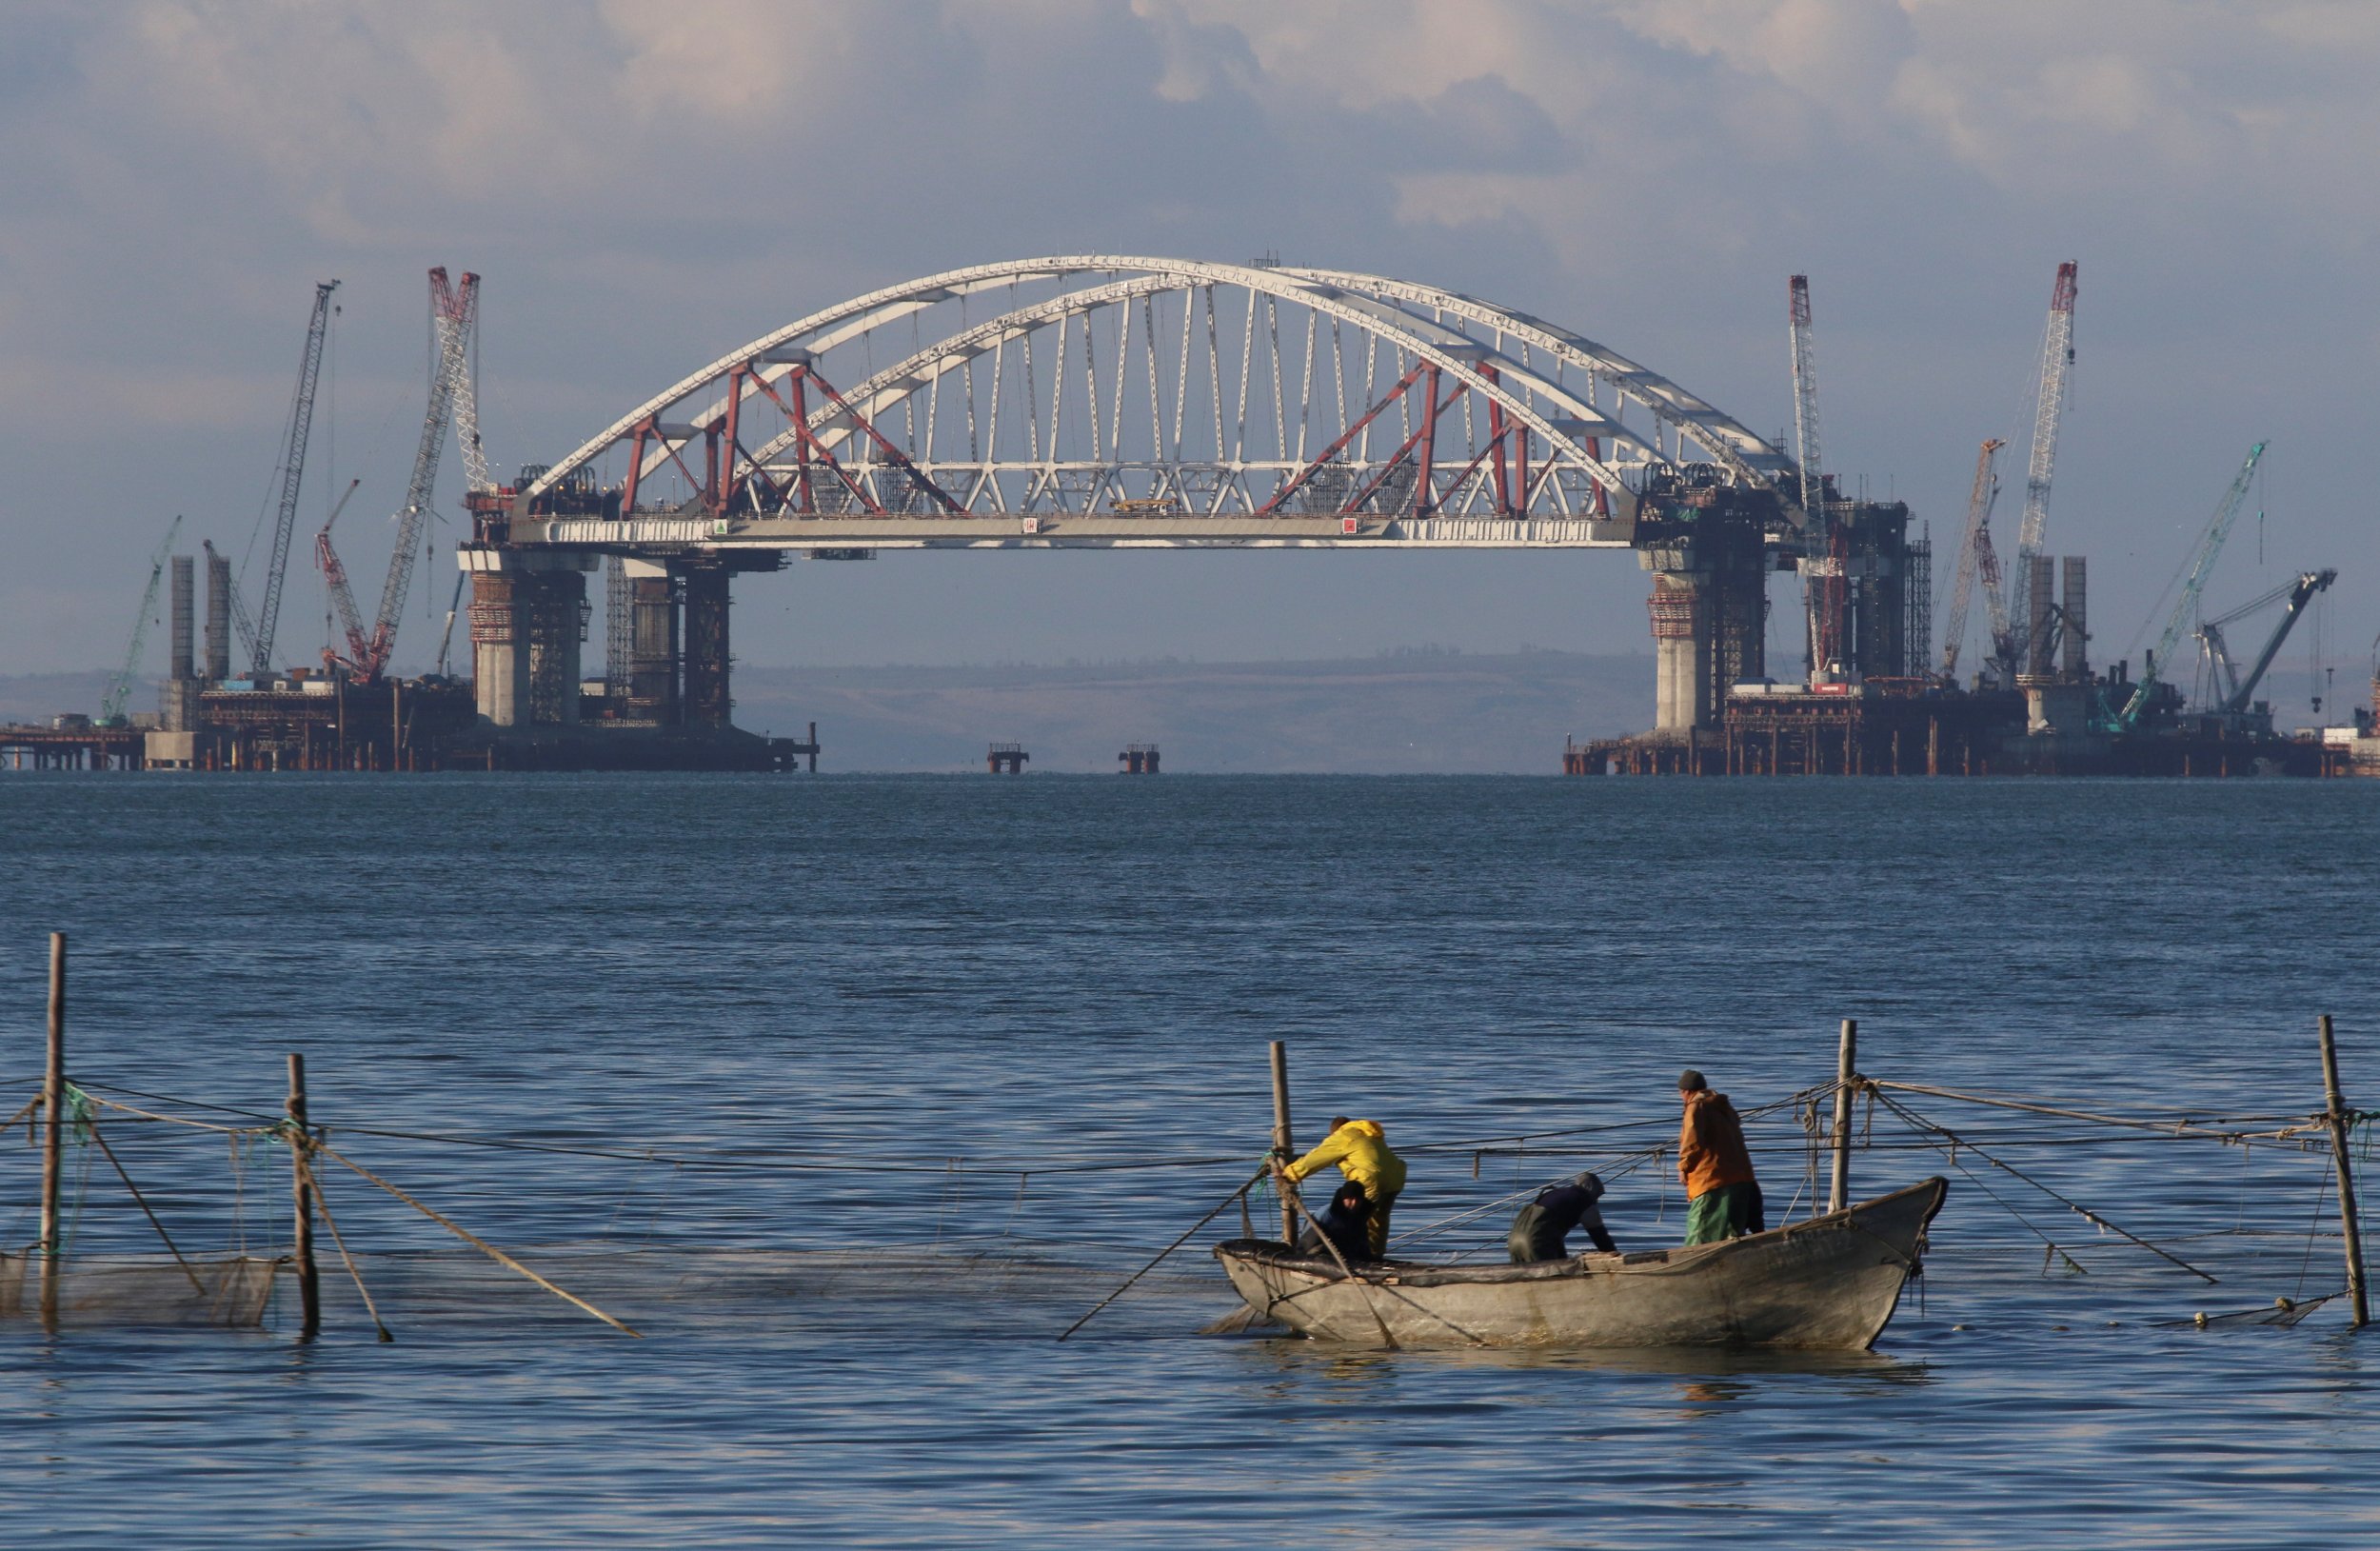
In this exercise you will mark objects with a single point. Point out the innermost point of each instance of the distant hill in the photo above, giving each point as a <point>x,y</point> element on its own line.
<point>1423,712</point>
<point>1419,713</point>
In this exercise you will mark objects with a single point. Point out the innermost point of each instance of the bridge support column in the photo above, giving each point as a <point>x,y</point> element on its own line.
<point>708,703</point>
<point>652,644</point>
<point>499,666</point>
<point>1681,646</point>
<point>528,615</point>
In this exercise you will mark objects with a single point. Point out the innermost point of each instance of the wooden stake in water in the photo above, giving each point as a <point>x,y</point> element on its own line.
<point>1281,1134</point>
<point>1846,1064</point>
<point>302,1190</point>
<point>53,1138</point>
<point>2362,1314</point>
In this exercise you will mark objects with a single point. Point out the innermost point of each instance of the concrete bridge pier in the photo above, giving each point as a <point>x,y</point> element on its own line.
<point>529,616</point>
<point>1710,621</point>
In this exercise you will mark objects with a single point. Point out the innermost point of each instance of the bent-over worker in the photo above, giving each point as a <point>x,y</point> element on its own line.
<point>1722,1198</point>
<point>1542,1229</point>
<point>1359,1148</point>
<point>1344,1223</point>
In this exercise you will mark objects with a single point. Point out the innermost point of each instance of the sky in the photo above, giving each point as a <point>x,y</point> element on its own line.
<point>643,186</point>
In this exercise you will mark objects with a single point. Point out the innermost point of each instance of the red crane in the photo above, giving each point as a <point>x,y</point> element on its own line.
<point>454,315</point>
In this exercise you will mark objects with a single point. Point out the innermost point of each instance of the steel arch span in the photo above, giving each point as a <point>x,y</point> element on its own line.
<point>1118,400</point>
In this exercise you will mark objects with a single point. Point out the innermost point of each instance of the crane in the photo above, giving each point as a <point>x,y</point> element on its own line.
<point>2238,692</point>
<point>111,706</point>
<point>342,596</point>
<point>1975,548</point>
<point>2057,365</point>
<point>260,638</point>
<point>454,312</point>
<point>2202,564</point>
<point>1826,574</point>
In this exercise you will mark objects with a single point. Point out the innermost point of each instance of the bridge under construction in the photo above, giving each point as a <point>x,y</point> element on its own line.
<point>1107,402</point>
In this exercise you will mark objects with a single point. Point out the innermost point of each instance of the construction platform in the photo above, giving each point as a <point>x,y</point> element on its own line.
<point>1915,727</point>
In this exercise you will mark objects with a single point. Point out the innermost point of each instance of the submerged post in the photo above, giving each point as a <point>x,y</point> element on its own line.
<point>53,1134</point>
<point>2337,1106</point>
<point>1846,1063</point>
<point>1281,1134</point>
<point>302,1189</point>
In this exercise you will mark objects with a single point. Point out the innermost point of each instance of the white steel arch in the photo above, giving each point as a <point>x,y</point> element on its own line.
<point>1543,411</point>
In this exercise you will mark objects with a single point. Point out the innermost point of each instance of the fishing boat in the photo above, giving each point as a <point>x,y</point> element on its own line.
<point>1826,1283</point>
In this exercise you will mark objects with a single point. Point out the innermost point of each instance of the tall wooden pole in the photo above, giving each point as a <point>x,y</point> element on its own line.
<point>53,1135</point>
<point>2347,1177</point>
<point>1281,1134</point>
<point>1846,1065</point>
<point>302,1189</point>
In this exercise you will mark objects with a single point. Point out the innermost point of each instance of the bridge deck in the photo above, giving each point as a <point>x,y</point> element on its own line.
<point>1064,530</point>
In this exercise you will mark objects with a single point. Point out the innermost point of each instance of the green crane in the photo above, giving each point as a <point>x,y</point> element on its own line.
<point>2201,567</point>
<point>111,708</point>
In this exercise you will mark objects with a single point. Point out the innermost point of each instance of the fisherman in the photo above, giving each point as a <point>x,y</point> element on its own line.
<point>1722,1198</point>
<point>1343,1223</point>
<point>1542,1229</point>
<point>1359,1148</point>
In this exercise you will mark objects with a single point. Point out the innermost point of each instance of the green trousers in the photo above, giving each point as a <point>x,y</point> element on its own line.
<point>1727,1211</point>
<point>1378,1223</point>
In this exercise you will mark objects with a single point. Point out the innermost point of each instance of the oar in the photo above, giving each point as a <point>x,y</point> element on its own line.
<point>1162,1254</point>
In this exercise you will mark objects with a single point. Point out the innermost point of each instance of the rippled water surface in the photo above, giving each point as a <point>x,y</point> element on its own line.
<point>820,1084</point>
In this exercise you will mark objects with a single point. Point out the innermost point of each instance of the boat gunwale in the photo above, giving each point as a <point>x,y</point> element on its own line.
<point>1272,1252</point>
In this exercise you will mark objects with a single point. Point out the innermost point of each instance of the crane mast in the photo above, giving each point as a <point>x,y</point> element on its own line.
<point>2057,364</point>
<point>260,639</point>
<point>1974,547</point>
<point>2201,565</point>
<point>1825,571</point>
<point>111,707</point>
<point>454,315</point>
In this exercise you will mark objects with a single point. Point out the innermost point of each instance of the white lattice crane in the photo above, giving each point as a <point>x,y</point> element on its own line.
<point>454,314</point>
<point>1823,546</point>
<point>1975,553</point>
<point>2058,365</point>
<point>260,636</point>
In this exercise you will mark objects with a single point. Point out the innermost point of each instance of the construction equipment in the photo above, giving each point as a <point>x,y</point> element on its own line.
<point>2240,693</point>
<point>2057,364</point>
<point>1827,538</point>
<point>111,704</point>
<point>1975,550</point>
<point>240,619</point>
<point>454,312</point>
<point>260,636</point>
<point>342,596</point>
<point>2202,564</point>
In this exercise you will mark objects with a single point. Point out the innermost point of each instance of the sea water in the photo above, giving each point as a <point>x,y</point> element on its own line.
<point>851,1094</point>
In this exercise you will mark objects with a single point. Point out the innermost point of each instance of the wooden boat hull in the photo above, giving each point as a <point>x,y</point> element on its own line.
<point>1831,1282</point>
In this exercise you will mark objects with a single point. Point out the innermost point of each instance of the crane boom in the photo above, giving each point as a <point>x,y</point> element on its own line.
<point>1825,582</point>
<point>260,639</point>
<point>2057,362</point>
<point>453,312</point>
<point>2202,564</point>
<point>335,577</point>
<point>240,619</point>
<point>111,706</point>
<point>2301,592</point>
<point>1972,546</point>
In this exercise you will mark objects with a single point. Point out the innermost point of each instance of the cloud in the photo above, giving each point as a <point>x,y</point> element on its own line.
<point>645,184</point>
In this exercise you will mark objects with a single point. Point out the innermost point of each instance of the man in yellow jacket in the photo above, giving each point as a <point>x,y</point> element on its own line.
<point>1359,1148</point>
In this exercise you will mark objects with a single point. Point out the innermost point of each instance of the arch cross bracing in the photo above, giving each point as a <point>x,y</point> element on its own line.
<point>1111,399</point>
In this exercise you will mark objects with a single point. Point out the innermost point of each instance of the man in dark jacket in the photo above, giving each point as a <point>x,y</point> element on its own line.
<point>1346,1222</point>
<point>1542,1228</point>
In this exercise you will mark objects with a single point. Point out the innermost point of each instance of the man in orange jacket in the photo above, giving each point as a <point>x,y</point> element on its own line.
<point>1722,1198</point>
